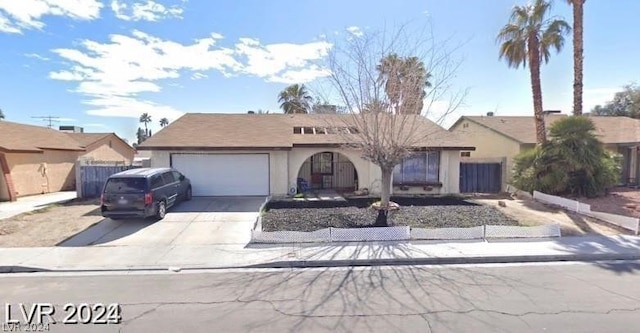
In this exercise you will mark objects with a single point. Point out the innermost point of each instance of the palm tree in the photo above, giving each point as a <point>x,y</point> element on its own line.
<point>529,36</point>
<point>145,118</point>
<point>578,17</point>
<point>295,99</point>
<point>164,122</point>
<point>405,81</point>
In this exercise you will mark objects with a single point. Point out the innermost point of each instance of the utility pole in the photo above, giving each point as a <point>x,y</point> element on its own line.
<point>49,119</point>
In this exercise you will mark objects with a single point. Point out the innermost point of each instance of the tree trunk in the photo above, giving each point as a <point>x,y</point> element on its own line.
<point>534,68</point>
<point>578,11</point>
<point>385,197</point>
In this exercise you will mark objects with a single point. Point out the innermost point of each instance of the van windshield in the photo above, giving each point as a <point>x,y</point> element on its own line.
<point>126,185</point>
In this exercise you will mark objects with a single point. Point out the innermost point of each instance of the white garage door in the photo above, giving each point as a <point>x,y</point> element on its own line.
<point>225,174</point>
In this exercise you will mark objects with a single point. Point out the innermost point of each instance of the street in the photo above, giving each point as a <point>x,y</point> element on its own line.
<point>602,297</point>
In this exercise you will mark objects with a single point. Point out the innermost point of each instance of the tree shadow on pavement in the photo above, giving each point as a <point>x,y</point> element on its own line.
<point>610,248</point>
<point>315,296</point>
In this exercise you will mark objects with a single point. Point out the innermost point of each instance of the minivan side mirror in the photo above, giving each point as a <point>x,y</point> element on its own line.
<point>182,177</point>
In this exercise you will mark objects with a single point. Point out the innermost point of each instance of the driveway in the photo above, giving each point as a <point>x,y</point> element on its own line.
<point>201,221</point>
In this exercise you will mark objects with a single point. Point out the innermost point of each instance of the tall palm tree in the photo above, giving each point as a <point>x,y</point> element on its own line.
<point>405,81</point>
<point>145,118</point>
<point>529,36</point>
<point>578,17</point>
<point>164,122</point>
<point>295,99</point>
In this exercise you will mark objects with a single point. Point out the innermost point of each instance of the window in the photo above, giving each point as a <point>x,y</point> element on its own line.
<point>419,168</point>
<point>465,154</point>
<point>126,185</point>
<point>167,178</point>
<point>176,175</point>
<point>110,144</point>
<point>322,163</point>
<point>156,181</point>
<point>297,130</point>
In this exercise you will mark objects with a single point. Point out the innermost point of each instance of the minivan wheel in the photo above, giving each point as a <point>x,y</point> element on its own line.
<point>162,210</point>
<point>188,195</point>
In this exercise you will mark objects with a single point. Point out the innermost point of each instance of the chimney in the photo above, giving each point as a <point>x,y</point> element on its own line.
<point>489,114</point>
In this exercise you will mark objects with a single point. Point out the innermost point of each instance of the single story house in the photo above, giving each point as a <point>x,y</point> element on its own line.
<point>35,160</point>
<point>498,139</point>
<point>277,154</point>
<point>104,147</point>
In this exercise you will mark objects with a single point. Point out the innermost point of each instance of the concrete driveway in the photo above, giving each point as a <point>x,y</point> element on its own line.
<point>201,221</point>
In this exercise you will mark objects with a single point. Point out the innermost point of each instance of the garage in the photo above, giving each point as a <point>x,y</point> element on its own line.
<point>225,174</point>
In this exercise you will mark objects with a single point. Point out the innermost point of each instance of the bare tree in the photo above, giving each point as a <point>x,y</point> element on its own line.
<point>387,121</point>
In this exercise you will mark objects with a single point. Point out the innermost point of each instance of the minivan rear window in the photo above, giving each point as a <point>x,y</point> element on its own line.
<point>126,185</point>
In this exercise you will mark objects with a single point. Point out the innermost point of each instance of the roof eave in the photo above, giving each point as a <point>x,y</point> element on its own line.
<point>20,151</point>
<point>207,148</point>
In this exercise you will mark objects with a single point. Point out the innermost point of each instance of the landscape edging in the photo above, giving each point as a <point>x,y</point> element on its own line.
<point>404,233</point>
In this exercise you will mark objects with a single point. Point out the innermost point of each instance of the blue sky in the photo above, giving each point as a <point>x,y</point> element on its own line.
<point>100,64</point>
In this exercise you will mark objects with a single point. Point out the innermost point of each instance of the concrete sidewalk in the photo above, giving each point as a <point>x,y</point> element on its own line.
<point>99,258</point>
<point>33,202</point>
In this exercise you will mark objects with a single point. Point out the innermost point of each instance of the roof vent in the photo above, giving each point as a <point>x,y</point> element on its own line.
<point>547,112</point>
<point>489,114</point>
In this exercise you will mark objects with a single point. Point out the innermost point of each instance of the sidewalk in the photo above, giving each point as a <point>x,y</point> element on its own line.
<point>106,258</point>
<point>33,202</point>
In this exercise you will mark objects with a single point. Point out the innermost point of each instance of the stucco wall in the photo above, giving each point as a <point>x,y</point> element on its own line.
<point>490,146</point>
<point>285,165</point>
<point>27,178</point>
<point>119,151</point>
<point>278,166</point>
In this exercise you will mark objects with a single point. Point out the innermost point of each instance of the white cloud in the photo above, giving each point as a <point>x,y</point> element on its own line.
<point>19,15</point>
<point>113,74</point>
<point>356,31</point>
<point>94,125</point>
<point>36,56</point>
<point>144,11</point>
<point>285,62</point>
<point>198,76</point>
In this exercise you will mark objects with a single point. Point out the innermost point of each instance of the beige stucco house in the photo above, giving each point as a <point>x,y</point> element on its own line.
<point>35,160</point>
<point>104,147</point>
<point>499,139</point>
<point>278,154</point>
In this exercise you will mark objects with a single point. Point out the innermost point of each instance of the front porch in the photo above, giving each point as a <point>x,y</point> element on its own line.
<point>327,173</point>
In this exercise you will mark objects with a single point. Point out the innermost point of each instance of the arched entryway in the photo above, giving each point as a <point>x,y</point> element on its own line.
<point>328,171</point>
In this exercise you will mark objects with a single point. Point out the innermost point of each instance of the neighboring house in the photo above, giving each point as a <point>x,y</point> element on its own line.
<point>35,160</point>
<point>104,147</point>
<point>272,154</point>
<point>498,139</point>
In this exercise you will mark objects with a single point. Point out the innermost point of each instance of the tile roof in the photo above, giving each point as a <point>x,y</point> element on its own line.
<point>29,138</point>
<point>86,139</point>
<point>522,128</point>
<point>247,131</point>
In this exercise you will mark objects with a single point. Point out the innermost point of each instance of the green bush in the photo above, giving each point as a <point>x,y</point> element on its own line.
<point>572,162</point>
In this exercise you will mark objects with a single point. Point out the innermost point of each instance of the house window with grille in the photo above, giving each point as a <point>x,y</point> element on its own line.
<point>418,169</point>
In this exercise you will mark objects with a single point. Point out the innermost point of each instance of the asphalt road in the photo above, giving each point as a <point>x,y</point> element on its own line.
<point>525,298</point>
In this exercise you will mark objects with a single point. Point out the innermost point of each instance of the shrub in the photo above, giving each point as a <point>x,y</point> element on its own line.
<point>573,162</point>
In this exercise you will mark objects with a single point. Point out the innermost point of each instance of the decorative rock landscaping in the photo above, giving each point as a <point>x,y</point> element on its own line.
<point>425,213</point>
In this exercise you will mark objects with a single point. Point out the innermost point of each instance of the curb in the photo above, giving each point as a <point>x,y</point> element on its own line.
<point>449,260</point>
<point>353,263</point>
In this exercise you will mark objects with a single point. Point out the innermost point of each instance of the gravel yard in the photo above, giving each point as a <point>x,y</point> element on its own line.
<point>49,226</point>
<point>436,216</point>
